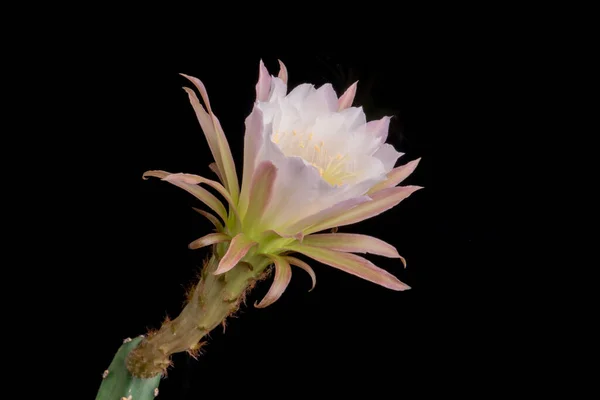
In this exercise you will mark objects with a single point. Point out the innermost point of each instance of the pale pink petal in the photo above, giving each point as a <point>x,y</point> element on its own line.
<point>155,174</point>
<point>379,128</point>
<point>299,263</point>
<point>209,239</point>
<point>201,88</point>
<point>238,248</point>
<point>261,192</point>
<point>283,275</point>
<point>220,145</point>
<point>202,194</point>
<point>215,221</point>
<point>348,97</point>
<point>351,243</point>
<point>208,128</point>
<point>214,168</point>
<point>396,176</point>
<point>381,201</point>
<point>253,140</point>
<point>352,264</point>
<point>283,74</point>
<point>323,215</point>
<point>264,83</point>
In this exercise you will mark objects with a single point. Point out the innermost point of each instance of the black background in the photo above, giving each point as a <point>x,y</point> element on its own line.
<point>348,335</point>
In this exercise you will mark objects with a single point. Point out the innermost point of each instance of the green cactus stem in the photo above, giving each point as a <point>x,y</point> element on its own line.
<point>118,383</point>
<point>214,299</point>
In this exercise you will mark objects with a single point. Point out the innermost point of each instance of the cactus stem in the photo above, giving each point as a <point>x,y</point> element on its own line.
<point>210,303</point>
<point>229,297</point>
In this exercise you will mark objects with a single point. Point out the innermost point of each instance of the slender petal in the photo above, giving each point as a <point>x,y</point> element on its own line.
<point>321,216</point>
<point>381,201</point>
<point>264,83</point>
<point>214,168</point>
<point>209,130</point>
<point>253,140</point>
<point>283,74</point>
<point>196,179</point>
<point>209,239</point>
<point>201,194</point>
<point>283,275</point>
<point>229,172</point>
<point>299,263</point>
<point>352,264</point>
<point>348,97</point>
<point>215,221</point>
<point>238,248</point>
<point>201,88</point>
<point>396,176</point>
<point>225,159</point>
<point>261,192</point>
<point>351,243</point>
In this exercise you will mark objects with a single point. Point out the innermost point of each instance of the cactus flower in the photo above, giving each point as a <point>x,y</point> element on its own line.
<point>311,163</point>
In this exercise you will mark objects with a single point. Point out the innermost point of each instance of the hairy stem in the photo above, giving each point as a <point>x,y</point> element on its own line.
<point>213,300</point>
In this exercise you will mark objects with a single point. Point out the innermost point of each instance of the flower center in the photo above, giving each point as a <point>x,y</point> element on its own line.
<point>333,167</point>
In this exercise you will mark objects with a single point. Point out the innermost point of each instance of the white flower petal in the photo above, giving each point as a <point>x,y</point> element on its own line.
<point>319,102</point>
<point>354,117</point>
<point>388,155</point>
<point>297,96</point>
<point>278,89</point>
<point>326,154</point>
<point>299,190</point>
